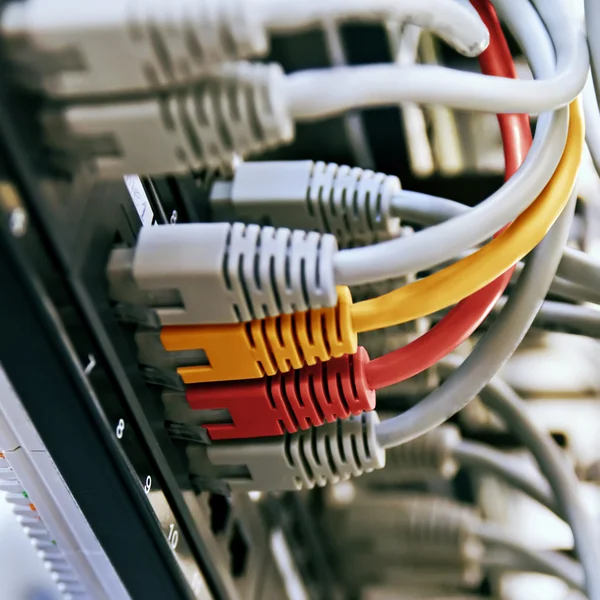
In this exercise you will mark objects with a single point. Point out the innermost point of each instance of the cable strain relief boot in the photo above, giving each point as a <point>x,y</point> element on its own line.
<point>298,399</point>
<point>420,524</point>
<point>328,454</point>
<point>351,203</point>
<point>254,349</point>
<point>237,111</point>
<point>218,273</point>
<point>428,456</point>
<point>155,44</point>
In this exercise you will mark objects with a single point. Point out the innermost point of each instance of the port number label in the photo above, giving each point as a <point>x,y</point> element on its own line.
<point>120,428</point>
<point>148,484</point>
<point>173,537</point>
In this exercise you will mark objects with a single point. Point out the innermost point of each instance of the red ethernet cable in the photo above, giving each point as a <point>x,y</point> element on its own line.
<point>335,389</point>
<point>468,314</point>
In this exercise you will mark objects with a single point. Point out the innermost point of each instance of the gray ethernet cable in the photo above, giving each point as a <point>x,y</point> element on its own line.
<point>320,93</point>
<point>428,456</point>
<point>409,524</point>
<point>157,44</point>
<point>592,22</point>
<point>442,451</point>
<point>327,454</point>
<point>221,273</point>
<point>351,203</point>
<point>235,112</point>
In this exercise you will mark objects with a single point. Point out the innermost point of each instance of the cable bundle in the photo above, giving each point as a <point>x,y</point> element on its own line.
<point>251,315</point>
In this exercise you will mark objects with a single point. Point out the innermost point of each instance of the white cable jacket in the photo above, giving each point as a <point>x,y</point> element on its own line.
<point>435,244</point>
<point>454,23</point>
<point>320,93</point>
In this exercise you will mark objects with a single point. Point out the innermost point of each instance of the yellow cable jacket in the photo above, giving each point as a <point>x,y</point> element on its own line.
<point>463,278</point>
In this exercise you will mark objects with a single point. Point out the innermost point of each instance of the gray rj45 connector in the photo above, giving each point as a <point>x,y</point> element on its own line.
<point>212,273</point>
<point>315,457</point>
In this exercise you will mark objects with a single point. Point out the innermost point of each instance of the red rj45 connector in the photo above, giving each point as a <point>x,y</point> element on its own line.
<point>298,399</point>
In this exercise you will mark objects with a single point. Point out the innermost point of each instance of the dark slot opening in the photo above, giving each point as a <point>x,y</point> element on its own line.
<point>238,549</point>
<point>219,513</point>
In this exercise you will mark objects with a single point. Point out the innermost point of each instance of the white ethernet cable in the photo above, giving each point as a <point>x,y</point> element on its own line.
<point>592,22</point>
<point>116,46</point>
<point>455,23</point>
<point>320,93</point>
<point>242,109</point>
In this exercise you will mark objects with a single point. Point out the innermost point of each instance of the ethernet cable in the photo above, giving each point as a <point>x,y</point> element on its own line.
<point>493,349</point>
<point>158,46</point>
<point>318,94</point>
<point>549,563</point>
<point>580,268</point>
<point>463,319</point>
<point>563,317</point>
<point>430,247</point>
<point>591,111</point>
<point>578,274</point>
<point>457,281</point>
<point>440,453</point>
<point>483,458</point>
<point>500,398</point>
<point>592,25</point>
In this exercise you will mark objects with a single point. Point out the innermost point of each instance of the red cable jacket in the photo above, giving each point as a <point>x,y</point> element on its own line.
<point>468,314</point>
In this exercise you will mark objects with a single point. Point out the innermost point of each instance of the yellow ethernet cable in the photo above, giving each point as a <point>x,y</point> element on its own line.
<point>465,277</point>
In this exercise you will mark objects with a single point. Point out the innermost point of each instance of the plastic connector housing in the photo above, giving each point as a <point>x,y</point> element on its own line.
<point>253,350</point>
<point>215,273</point>
<point>238,111</point>
<point>299,399</point>
<point>413,524</point>
<point>328,454</point>
<point>426,457</point>
<point>351,203</point>
<point>117,46</point>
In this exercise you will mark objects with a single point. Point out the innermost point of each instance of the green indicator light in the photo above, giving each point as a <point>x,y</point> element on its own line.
<point>25,495</point>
